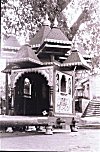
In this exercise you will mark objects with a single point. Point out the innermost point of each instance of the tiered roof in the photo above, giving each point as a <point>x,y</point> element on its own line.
<point>25,54</point>
<point>39,37</point>
<point>56,35</point>
<point>24,58</point>
<point>55,43</point>
<point>47,44</point>
<point>75,59</point>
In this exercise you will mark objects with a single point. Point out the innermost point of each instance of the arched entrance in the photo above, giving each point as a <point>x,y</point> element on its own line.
<point>31,95</point>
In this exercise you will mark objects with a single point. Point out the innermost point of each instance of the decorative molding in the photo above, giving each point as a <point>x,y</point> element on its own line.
<point>46,72</point>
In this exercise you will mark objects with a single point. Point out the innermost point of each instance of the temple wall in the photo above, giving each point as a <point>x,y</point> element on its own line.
<point>63,93</point>
<point>95,87</point>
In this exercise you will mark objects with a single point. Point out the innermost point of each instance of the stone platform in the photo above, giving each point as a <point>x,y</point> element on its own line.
<point>90,122</point>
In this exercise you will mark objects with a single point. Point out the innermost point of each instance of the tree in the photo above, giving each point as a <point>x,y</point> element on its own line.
<point>24,18</point>
<point>18,16</point>
<point>87,36</point>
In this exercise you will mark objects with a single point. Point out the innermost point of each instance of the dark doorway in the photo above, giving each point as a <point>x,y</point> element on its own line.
<point>33,99</point>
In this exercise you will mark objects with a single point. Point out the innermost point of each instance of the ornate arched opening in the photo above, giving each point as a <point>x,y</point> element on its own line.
<point>31,95</point>
<point>63,84</point>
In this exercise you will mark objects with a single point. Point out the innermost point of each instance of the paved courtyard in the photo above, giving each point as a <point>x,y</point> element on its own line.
<point>85,140</point>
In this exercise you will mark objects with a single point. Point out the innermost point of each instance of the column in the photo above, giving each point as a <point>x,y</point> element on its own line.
<point>74,91</point>
<point>51,101</point>
<point>6,95</point>
<point>49,130</point>
<point>12,101</point>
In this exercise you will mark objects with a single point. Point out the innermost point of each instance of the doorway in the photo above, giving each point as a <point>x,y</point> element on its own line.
<point>34,99</point>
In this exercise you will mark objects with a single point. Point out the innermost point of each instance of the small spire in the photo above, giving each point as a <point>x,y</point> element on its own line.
<point>55,24</point>
<point>46,21</point>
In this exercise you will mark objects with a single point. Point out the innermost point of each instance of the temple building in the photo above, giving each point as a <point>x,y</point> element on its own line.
<point>43,75</point>
<point>8,50</point>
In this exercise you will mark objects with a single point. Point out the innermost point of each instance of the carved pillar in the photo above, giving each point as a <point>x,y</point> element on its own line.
<point>49,130</point>
<point>74,94</point>
<point>12,101</point>
<point>74,90</point>
<point>51,101</point>
<point>6,91</point>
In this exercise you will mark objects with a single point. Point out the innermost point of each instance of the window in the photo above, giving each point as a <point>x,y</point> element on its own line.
<point>63,84</point>
<point>27,88</point>
<point>87,86</point>
<point>69,86</point>
<point>57,82</point>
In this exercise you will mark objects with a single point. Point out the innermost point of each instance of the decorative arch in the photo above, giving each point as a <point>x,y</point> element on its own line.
<point>31,93</point>
<point>47,73</point>
<point>22,73</point>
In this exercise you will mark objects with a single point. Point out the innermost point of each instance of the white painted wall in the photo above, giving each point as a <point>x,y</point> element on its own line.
<point>95,86</point>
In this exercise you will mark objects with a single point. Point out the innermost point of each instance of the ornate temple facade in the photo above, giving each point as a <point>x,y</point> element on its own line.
<point>42,75</point>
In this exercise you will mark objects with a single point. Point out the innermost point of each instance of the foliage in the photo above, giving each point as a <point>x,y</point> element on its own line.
<point>18,17</point>
<point>24,18</point>
<point>87,36</point>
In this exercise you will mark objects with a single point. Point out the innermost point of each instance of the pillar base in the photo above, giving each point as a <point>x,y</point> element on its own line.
<point>9,129</point>
<point>49,130</point>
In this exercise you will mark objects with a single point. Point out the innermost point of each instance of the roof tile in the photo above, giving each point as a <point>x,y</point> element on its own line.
<point>40,36</point>
<point>25,53</point>
<point>56,34</point>
<point>75,58</point>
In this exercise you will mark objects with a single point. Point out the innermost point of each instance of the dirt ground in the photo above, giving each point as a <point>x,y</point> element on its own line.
<point>85,140</point>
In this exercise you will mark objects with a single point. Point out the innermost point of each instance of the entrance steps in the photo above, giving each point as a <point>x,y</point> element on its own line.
<point>93,109</point>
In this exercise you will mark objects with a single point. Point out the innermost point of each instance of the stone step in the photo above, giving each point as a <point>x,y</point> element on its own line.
<point>92,109</point>
<point>92,115</point>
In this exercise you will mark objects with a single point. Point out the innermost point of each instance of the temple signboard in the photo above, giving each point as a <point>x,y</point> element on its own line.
<point>63,93</point>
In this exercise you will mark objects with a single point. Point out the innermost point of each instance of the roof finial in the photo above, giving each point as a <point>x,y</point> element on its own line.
<point>46,21</point>
<point>55,24</point>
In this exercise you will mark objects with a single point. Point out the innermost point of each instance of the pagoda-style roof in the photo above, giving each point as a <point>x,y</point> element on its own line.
<point>75,59</point>
<point>56,35</point>
<point>25,53</point>
<point>24,58</point>
<point>11,43</point>
<point>39,37</point>
<point>10,67</point>
<point>84,53</point>
<point>55,43</point>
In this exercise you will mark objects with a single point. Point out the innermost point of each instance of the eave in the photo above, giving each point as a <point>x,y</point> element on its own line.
<point>20,60</point>
<point>79,66</point>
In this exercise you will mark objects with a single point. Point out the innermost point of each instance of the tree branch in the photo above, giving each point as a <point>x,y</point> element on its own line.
<point>84,16</point>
